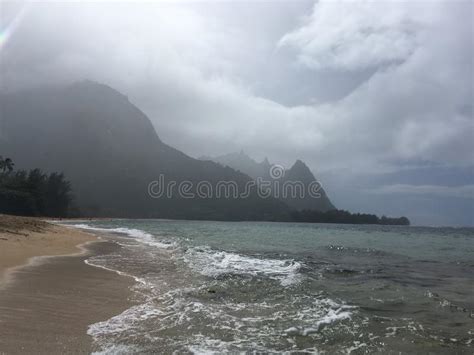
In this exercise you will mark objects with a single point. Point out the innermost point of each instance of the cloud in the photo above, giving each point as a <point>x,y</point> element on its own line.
<point>416,104</point>
<point>355,35</point>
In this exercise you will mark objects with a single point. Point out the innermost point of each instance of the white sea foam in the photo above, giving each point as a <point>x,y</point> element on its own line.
<point>124,321</point>
<point>332,316</point>
<point>322,313</point>
<point>140,235</point>
<point>207,346</point>
<point>137,279</point>
<point>118,350</point>
<point>213,263</point>
<point>176,309</point>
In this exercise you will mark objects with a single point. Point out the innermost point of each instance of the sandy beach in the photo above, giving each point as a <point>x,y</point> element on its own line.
<point>48,295</point>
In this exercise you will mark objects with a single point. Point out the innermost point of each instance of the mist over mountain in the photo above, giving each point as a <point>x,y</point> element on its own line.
<point>298,173</point>
<point>110,152</point>
<point>242,162</point>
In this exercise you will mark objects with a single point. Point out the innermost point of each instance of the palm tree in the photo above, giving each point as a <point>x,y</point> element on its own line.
<point>9,164</point>
<point>6,164</point>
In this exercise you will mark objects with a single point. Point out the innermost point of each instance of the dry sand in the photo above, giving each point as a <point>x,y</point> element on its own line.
<point>46,305</point>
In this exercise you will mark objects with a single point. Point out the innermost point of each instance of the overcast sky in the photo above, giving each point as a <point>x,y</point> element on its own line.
<point>375,96</point>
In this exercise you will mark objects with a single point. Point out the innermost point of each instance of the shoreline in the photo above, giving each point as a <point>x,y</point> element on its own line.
<point>49,294</point>
<point>24,241</point>
<point>7,276</point>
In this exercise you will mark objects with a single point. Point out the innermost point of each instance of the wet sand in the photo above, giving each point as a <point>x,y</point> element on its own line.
<point>47,305</point>
<point>46,308</point>
<point>23,238</point>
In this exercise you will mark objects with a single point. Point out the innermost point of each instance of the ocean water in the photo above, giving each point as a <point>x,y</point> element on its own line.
<point>220,287</point>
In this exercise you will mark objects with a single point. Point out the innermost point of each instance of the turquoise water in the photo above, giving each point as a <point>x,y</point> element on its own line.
<point>213,287</point>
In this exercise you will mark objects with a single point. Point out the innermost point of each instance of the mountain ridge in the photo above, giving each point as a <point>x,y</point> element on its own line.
<point>298,172</point>
<point>110,151</point>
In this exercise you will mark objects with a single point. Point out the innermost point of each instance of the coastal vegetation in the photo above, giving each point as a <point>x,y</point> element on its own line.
<point>33,193</point>
<point>345,217</point>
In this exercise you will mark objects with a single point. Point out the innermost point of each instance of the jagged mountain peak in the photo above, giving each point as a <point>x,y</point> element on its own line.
<point>299,167</point>
<point>299,171</point>
<point>299,164</point>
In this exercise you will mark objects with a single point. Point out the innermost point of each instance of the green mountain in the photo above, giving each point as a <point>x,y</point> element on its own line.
<point>111,152</point>
<point>299,174</point>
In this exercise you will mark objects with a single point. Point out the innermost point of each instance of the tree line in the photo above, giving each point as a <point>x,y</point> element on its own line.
<point>33,192</point>
<point>345,217</point>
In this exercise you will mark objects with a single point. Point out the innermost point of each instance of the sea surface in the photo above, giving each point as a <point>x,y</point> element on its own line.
<point>219,287</point>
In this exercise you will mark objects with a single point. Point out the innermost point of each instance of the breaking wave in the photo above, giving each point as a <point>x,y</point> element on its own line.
<point>214,263</point>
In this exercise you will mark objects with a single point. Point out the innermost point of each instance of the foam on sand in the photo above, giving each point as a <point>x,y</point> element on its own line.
<point>140,235</point>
